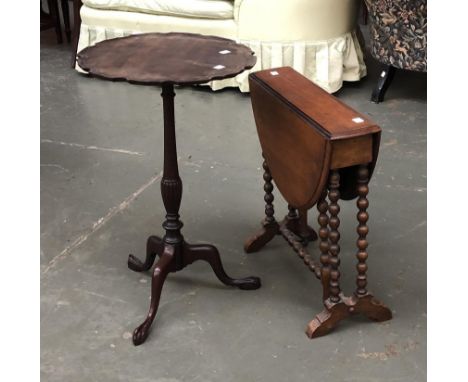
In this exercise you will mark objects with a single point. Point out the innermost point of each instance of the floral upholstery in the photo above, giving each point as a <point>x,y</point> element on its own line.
<point>398,33</point>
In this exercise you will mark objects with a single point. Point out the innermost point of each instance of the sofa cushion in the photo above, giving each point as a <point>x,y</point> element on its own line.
<point>207,9</point>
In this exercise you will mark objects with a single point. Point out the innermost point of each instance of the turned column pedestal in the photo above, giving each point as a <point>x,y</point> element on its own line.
<point>168,59</point>
<point>173,251</point>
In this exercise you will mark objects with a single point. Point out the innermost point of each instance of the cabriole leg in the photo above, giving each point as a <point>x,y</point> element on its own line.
<point>160,272</point>
<point>153,248</point>
<point>174,252</point>
<point>209,253</point>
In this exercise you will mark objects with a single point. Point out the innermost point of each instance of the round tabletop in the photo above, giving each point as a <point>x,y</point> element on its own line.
<point>171,58</point>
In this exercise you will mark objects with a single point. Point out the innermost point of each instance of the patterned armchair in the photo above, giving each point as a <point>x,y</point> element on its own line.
<point>398,38</point>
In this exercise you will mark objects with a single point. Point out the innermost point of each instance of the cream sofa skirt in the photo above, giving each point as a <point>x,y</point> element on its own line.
<point>327,63</point>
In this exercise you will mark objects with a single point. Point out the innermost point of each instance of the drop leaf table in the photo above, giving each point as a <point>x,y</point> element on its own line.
<point>314,147</point>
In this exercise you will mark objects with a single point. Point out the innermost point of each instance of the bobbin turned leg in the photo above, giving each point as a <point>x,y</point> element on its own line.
<point>338,306</point>
<point>322,207</point>
<point>362,230</point>
<point>334,237</point>
<point>335,307</point>
<point>270,227</point>
<point>367,304</point>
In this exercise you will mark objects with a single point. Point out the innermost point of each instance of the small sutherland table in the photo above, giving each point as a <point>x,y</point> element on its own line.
<point>167,60</point>
<point>314,145</point>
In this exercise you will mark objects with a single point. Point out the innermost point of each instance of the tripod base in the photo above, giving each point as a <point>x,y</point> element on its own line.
<point>172,258</point>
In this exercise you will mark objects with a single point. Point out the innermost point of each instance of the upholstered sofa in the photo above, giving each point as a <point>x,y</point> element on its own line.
<point>315,37</point>
<point>398,38</point>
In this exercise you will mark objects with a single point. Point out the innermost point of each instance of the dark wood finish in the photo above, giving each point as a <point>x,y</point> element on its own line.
<point>312,135</point>
<point>315,146</point>
<point>268,188</point>
<point>332,118</point>
<point>270,227</point>
<point>165,264</point>
<point>337,305</point>
<point>304,231</point>
<point>385,79</point>
<point>334,236</point>
<point>324,246</point>
<point>76,30</point>
<point>66,19</point>
<point>175,253</point>
<point>292,214</point>
<point>161,58</point>
<point>156,58</point>
<point>51,19</point>
<point>174,257</point>
<point>362,230</point>
<point>353,151</point>
<point>297,244</point>
<point>329,318</point>
<point>153,247</point>
<point>295,222</point>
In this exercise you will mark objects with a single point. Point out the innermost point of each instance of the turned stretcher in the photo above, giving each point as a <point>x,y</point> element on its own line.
<point>315,148</point>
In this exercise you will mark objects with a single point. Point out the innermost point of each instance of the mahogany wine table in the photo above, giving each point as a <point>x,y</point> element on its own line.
<point>315,146</point>
<point>167,60</point>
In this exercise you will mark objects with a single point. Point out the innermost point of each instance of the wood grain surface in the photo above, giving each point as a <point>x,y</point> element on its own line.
<point>306,132</point>
<point>173,58</point>
<point>317,150</point>
<point>328,114</point>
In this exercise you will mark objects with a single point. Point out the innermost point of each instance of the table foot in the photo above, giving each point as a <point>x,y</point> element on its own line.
<point>328,319</point>
<point>373,309</point>
<point>153,247</point>
<point>262,237</point>
<point>160,272</point>
<point>172,258</point>
<point>210,254</point>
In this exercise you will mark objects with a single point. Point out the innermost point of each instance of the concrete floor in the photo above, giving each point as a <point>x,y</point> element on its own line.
<point>101,160</point>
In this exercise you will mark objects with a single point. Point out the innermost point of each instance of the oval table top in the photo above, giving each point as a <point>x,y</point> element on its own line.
<point>170,58</point>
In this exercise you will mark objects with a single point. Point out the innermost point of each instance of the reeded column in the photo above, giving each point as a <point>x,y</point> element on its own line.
<point>171,184</point>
